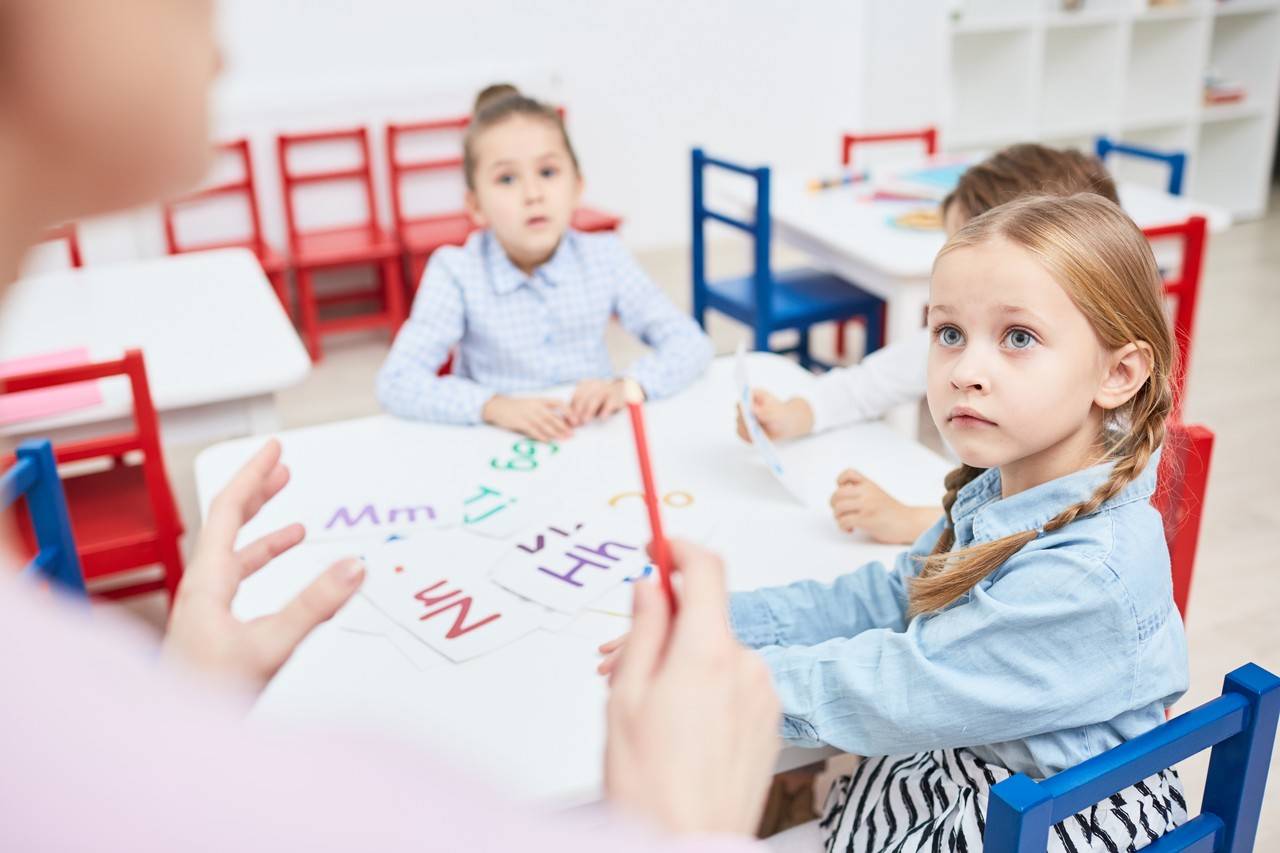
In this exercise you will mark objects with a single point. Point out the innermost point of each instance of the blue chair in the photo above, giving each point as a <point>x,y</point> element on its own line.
<point>768,302</point>
<point>35,476</point>
<point>1240,725</point>
<point>1175,160</point>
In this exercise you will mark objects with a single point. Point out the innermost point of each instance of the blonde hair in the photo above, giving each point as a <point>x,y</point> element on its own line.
<point>1104,263</point>
<point>494,105</point>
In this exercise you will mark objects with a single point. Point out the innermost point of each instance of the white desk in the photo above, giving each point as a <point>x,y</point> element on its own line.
<point>530,717</point>
<point>216,341</point>
<point>847,235</point>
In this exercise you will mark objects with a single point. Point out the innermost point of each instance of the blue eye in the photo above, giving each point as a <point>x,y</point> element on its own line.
<point>1020,339</point>
<point>506,179</point>
<point>549,171</point>
<point>949,336</point>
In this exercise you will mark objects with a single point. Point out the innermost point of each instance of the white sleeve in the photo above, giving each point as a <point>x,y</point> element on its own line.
<point>886,378</point>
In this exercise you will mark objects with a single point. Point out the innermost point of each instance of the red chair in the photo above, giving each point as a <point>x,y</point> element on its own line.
<point>422,235</point>
<point>66,232</point>
<point>1183,478</point>
<point>1184,290</point>
<point>363,243</point>
<point>928,136</point>
<point>274,263</point>
<point>124,517</point>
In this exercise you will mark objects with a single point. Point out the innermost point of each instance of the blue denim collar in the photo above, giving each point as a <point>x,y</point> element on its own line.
<point>979,514</point>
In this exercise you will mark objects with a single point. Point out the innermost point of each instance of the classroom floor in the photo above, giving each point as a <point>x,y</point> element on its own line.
<point>1234,388</point>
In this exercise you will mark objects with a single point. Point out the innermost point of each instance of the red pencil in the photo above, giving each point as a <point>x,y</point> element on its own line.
<point>661,552</point>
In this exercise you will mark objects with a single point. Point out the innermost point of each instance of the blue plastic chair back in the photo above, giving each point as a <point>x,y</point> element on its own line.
<point>35,476</point>
<point>1176,160</point>
<point>1240,726</point>
<point>760,231</point>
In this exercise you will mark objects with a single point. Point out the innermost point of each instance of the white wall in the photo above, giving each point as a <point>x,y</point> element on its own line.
<point>642,82</point>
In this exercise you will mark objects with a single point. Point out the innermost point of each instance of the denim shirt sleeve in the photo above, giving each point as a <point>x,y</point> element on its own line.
<point>407,385</point>
<point>808,612</point>
<point>1050,644</point>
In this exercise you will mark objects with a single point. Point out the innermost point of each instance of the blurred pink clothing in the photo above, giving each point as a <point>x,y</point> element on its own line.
<point>104,750</point>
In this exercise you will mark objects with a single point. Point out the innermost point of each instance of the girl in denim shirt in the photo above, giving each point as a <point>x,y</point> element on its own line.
<point>1033,626</point>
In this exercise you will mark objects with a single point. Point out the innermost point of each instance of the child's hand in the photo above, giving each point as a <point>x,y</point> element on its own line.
<point>780,420</point>
<point>692,715</point>
<point>859,504</point>
<point>596,399</point>
<point>543,419</point>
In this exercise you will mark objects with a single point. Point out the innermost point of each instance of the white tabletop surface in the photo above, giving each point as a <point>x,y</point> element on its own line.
<point>208,324</point>
<point>529,717</point>
<point>842,222</point>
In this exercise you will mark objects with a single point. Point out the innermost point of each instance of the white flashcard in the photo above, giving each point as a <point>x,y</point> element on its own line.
<point>384,514</point>
<point>434,587</point>
<point>764,447</point>
<point>566,564</point>
<point>501,511</point>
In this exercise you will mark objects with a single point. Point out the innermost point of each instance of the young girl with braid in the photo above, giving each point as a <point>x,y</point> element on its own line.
<point>1033,626</point>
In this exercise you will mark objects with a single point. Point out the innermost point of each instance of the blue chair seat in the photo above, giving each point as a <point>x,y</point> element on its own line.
<point>800,298</point>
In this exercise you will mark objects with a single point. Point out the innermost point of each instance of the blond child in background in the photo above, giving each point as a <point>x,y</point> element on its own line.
<point>896,373</point>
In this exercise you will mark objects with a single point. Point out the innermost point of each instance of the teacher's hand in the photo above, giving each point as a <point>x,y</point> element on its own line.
<point>693,717</point>
<point>202,630</point>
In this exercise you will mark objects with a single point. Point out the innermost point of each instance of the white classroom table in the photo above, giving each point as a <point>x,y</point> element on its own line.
<point>529,717</point>
<point>851,237</point>
<point>217,344</point>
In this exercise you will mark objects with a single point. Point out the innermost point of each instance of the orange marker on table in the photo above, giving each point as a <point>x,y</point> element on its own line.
<point>661,552</point>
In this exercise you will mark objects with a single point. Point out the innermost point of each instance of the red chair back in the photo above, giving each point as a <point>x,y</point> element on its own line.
<point>1183,479</point>
<point>1184,290</point>
<point>927,135</point>
<point>398,167</point>
<point>291,179</point>
<point>143,438</point>
<point>66,232</point>
<point>243,186</point>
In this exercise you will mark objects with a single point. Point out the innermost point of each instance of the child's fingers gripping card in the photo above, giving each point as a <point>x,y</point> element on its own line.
<point>435,587</point>
<point>567,564</point>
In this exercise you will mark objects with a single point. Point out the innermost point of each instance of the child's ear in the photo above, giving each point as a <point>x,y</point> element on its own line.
<point>1127,369</point>
<point>473,208</point>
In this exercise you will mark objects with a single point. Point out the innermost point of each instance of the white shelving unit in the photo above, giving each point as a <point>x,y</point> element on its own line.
<point>1004,71</point>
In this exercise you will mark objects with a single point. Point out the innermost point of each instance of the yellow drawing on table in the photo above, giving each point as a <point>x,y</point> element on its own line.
<point>675,500</point>
<point>919,219</point>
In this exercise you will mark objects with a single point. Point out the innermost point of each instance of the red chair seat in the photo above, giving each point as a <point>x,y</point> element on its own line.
<point>590,219</point>
<point>110,510</point>
<point>344,246</point>
<point>424,236</point>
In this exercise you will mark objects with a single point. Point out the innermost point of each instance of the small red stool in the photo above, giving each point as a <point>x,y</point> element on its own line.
<point>124,517</point>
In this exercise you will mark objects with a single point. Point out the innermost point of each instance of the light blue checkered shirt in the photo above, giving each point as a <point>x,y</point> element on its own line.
<point>522,333</point>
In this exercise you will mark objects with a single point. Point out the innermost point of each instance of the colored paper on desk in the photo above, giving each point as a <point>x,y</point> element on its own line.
<point>47,402</point>
<point>432,587</point>
<point>567,564</point>
<point>944,177</point>
<point>764,447</point>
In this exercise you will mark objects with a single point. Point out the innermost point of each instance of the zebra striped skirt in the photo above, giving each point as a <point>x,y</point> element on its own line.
<point>937,801</point>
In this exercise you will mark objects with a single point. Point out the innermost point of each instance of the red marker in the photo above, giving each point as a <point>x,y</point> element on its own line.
<point>661,551</point>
